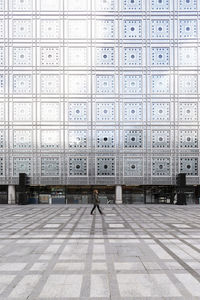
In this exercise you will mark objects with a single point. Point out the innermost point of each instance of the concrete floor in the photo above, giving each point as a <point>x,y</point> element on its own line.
<point>131,252</point>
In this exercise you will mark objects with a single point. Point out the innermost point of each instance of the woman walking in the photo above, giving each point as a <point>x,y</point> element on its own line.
<point>96,202</point>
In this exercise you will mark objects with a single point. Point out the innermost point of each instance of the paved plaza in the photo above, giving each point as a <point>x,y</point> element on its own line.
<point>131,252</point>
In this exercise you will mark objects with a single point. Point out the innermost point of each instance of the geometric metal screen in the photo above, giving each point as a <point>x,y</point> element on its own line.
<point>99,92</point>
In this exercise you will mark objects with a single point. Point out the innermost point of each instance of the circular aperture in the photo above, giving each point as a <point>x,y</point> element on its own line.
<point>132,166</point>
<point>77,111</point>
<point>188,167</point>
<point>105,139</point>
<point>105,167</point>
<point>78,166</point>
<point>133,139</point>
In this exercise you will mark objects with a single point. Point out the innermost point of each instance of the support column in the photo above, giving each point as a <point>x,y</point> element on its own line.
<point>11,194</point>
<point>118,194</point>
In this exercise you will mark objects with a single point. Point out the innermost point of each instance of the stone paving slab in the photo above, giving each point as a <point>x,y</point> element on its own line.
<point>130,252</point>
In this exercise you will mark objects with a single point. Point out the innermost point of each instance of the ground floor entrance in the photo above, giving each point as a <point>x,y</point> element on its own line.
<point>60,194</point>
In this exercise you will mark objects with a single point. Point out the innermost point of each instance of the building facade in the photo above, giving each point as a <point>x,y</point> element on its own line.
<point>99,92</point>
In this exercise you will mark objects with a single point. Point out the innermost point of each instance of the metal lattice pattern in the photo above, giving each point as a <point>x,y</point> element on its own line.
<point>90,82</point>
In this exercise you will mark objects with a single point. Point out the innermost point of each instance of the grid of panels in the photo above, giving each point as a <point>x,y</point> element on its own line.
<point>87,103</point>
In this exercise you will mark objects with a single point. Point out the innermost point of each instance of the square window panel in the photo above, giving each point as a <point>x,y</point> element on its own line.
<point>105,84</point>
<point>105,139</point>
<point>22,29</point>
<point>2,139</point>
<point>188,29</point>
<point>22,165</point>
<point>187,56</point>
<point>132,29</point>
<point>161,166</point>
<point>77,56</point>
<point>77,112</point>
<point>105,166</point>
<point>77,29</point>
<point>2,172</point>
<point>50,56</point>
<point>22,111</point>
<point>22,139</point>
<point>160,57</point>
<point>188,5</point>
<point>22,5</point>
<point>133,139</point>
<point>50,84</point>
<point>78,84</point>
<point>187,84</point>
<point>50,166</point>
<point>103,5</point>
<point>2,56</point>
<point>50,112</point>
<point>22,84</point>
<point>2,27</point>
<point>160,139</point>
<point>188,138</point>
<point>105,56</point>
<point>104,29</point>
<point>22,56</point>
<point>50,139</point>
<point>78,5</point>
<point>160,29</point>
<point>160,84</point>
<point>132,84</point>
<point>77,166</point>
<point>160,111</point>
<point>49,5</point>
<point>189,166</point>
<point>2,111</point>
<point>132,5</point>
<point>188,112</point>
<point>2,84</point>
<point>77,139</point>
<point>105,111</point>
<point>50,29</point>
<point>133,166</point>
<point>160,5</point>
<point>132,111</point>
<point>132,56</point>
